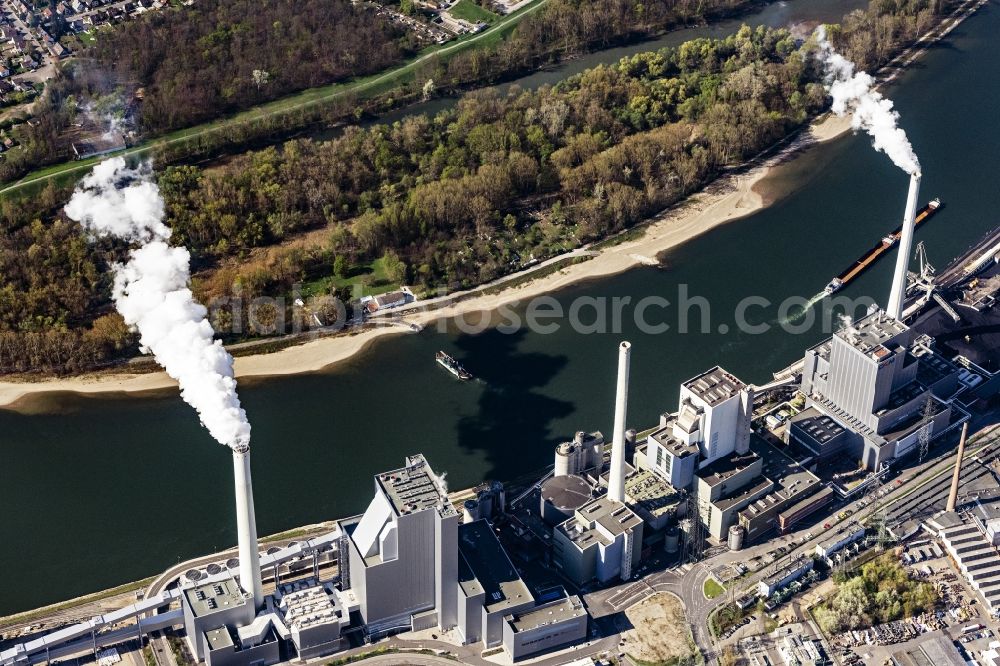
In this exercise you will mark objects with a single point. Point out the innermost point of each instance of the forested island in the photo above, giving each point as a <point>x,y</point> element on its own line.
<point>447,201</point>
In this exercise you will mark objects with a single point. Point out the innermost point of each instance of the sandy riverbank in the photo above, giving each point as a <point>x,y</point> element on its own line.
<point>724,200</point>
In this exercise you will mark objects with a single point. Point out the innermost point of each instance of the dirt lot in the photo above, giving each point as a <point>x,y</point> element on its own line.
<point>660,630</point>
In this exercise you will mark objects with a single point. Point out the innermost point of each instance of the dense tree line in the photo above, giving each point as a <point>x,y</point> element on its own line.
<point>478,190</point>
<point>451,200</point>
<point>175,68</point>
<point>184,86</point>
<point>219,56</point>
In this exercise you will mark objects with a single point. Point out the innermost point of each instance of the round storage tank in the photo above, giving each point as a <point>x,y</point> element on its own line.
<point>671,539</point>
<point>563,453</point>
<point>736,534</point>
<point>470,511</point>
<point>561,496</point>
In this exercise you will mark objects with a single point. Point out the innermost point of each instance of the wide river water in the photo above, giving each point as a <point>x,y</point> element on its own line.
<point>97,491</point>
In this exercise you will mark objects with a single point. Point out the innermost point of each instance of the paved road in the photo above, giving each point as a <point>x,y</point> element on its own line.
<point>699,608</point>
<point>449,299</point>
<point>407,660</point>
<point>688,582</point>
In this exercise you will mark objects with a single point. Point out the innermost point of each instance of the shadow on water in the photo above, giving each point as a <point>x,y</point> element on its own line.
<point>514,420</point>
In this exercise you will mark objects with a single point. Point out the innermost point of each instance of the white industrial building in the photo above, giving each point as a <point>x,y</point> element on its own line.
<point>784,576</point>
<point>714,414</point>
<point>403,552</point>
<point>842,538</point>
<point>795,650</point>
<point>544,627</point>
<point>585,452</point>
<point>314,615</point>
<point>603,540</point>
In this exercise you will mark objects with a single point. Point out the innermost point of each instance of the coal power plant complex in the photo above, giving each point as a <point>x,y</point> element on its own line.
<point>536,568</point>
<point>867,441</point>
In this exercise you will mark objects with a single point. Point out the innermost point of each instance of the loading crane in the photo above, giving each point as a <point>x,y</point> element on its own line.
<point>925,281</point>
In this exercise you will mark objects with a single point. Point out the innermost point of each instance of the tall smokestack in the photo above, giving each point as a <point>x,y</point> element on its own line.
<point>898,293</point>
<point>246,524</point>
<point>953,495</point>
<point>616,479</point>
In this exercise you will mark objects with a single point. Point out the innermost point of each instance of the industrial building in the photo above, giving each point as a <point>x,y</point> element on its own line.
<point>796,493</point>
<point>603,540</point>
<point>652,499</point>
<point>796,650</point>
<point>212,611</point>
<point>727,486</point>
<point>712,423</point>
<point>784,576</point>
<point>714,414</point>
<point>405,564</point>
<point>489,585</point>
<point>937,650</point>
<point>668,456</point>
<point>561,496</point>
<point>314,616</point>
<point>585,452</point>
<point>489,500</point>
<point>971,538</point>
<point>870,390</point>
<point>403,552</point>
<point>707,448</point>
<point>842,538</point>
<point>737,479</point>
<point>762,491</point>
<point>551,625</point>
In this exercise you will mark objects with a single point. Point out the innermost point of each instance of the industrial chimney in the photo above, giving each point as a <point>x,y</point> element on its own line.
<point>616,479</point>
<point>246,524</point>
<point>953,495</point>
<point>898,293</point>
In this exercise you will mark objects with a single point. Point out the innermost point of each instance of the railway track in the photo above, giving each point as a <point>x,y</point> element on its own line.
<point>932,497</point>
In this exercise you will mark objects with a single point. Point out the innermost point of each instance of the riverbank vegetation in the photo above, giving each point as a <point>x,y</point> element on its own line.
<point>498,182</point>
<point>879,591</point>
<point>123,67</point>
<point>236,54</point>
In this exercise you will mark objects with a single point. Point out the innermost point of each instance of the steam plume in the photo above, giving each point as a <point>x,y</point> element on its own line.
<point>151,292</point>
<point>852,93</point>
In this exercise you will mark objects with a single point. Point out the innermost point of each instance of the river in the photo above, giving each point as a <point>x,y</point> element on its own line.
<point>97,491</point>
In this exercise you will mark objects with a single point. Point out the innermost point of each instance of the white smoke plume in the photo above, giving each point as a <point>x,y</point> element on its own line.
<point>853,93</point>
<point>152,294</point>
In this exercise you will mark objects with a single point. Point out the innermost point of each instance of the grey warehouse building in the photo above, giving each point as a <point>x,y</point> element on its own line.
<point>212,613</point>
<point>872,379</point>
<point>489,585</point>
<point>545,627</point>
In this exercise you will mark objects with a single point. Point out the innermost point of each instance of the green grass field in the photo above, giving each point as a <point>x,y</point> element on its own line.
<point>713,589</point>
<point>469,11</point>
<point>370,279</point>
